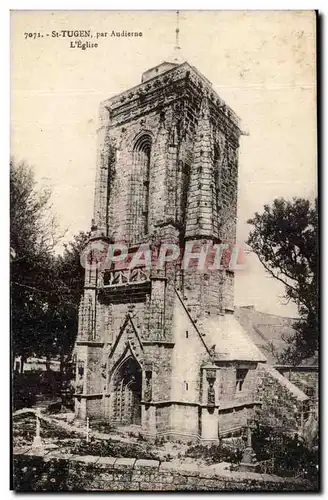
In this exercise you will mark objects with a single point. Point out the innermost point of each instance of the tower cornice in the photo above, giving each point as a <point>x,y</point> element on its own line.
<point>156,89</point>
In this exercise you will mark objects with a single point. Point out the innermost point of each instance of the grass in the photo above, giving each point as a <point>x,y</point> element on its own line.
<point>110,448</point>
<point>291,456</point>
<point>24,429</point>
<point>101,426</point>
<point>216,453</point>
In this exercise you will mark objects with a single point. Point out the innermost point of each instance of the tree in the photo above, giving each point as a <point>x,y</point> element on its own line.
<point>45,288</point>
<point>70,268</point>
<point>32,239</point>
<point>285,239</point>
<point>69,286</point>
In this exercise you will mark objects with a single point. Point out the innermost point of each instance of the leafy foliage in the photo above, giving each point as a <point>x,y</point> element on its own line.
<point>69,285</point>
<point>30,384</point>
<point>64,297</point>
<point>291,456</point>
<point>24,428</point>
<point>216,453</point>
<point>285,239</point>
<point>111,448</point>
<point>45,288</point>
<point>31,243</point>
<point>36,474</point>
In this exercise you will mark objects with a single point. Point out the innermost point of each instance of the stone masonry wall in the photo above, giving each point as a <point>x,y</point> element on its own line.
<point>55,472</point>
<point>306,381</point>
<point>232,421</point>
<point>280,406</point>
<point>236,406</point>
<point>159,357</point>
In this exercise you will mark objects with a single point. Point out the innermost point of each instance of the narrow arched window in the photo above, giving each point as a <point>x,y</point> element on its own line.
<point>140,187</point>
<point>217,187</point>
<point>183,188</point>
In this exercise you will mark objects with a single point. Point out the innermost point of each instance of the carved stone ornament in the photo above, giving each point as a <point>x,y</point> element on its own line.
<point>79,387</point>
<point>148,387</point>
<point>80,369</point>
<point>210,376</point>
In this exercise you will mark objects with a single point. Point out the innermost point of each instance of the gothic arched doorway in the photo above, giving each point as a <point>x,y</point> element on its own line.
<point>126,396</point>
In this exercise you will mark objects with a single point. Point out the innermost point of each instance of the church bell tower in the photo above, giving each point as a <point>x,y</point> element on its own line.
<point>167,169</point>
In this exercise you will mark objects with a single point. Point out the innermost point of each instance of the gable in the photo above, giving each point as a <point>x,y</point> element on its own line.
<point>128,342</point>
<point>182,322</point>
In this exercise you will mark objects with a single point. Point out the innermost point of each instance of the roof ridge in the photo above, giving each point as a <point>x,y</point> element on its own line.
<point>266,313</point>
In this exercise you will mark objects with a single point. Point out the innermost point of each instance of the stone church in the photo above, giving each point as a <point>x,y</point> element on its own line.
<point>161,350</point>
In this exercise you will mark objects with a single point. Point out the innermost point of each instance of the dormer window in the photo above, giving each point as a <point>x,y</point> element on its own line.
<point>240,378</point>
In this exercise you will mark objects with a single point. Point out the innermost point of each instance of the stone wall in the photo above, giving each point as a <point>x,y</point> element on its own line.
<point>282,402</point>
<point>232,420</point>
<point>307,381</point>
<point>189,351</point>
<point>52,471</point>
<point>159,357</point>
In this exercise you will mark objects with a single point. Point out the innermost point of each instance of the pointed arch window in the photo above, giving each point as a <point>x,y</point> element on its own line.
<point>140,186</point>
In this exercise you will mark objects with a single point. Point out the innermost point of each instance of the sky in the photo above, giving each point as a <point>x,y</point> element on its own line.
<point>262,63</point>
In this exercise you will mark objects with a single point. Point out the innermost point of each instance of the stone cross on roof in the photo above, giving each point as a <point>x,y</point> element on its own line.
<point>177,53</point>
<point>177,33</point>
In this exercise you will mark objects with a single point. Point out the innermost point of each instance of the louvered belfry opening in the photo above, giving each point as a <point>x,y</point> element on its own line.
<point>139,206</point>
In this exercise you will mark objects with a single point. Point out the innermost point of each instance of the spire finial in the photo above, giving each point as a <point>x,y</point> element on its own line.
<point>177,33</point>
<point>177,57</point>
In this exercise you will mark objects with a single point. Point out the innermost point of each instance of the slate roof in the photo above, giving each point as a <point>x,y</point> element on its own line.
<point>267,331</point>
<point>230,339</point>
<point>227,335</point>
